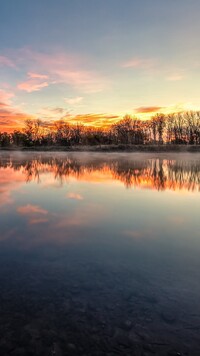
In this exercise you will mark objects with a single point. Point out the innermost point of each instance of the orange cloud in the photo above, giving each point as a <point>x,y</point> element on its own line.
<point>96,120</point>
<point>10,117</point>
<point>148,109</point>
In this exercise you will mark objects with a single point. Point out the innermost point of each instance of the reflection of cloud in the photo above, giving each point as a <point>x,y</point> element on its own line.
<point>142,233</point>
<point>177,220</point>
<point>5,197</point>
<point>38,221</point>
<point>133,233</point>
<point>6,235</point>
<point>31,209</point>
<point>75,196</point>
<point>33,213</point>
<point>86,216</point>
<point>9,181</point>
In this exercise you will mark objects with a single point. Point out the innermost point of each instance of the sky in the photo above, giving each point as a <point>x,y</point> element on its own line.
<point>93,61</point>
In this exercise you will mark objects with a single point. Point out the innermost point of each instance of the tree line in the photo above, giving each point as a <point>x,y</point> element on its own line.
<point>175,128</point>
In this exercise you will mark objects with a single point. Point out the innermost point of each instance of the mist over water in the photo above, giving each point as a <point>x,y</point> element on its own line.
<point>99,254</point>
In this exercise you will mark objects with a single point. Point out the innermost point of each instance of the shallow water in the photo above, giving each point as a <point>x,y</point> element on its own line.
<point>99,254</point>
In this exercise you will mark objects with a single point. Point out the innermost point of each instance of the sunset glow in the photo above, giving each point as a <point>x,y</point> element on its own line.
<point>92,63</point>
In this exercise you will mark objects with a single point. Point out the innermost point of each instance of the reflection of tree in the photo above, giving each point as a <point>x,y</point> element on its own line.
<point>156,174</point>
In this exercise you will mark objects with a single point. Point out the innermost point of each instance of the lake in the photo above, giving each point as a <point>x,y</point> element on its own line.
<point>99,254</point>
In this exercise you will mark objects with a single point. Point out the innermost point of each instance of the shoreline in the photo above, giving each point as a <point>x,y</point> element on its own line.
<point>107,148</point>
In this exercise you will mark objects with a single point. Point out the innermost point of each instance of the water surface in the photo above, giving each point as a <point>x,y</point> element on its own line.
<point>99,254</point>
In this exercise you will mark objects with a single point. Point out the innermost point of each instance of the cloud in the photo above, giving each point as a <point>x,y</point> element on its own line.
<point>32,85</point>
<point>38,221</point>
<point>75,196</point>
<point>5,97</point>
<point>51,112</point>
<point>148,109</point>
<point>31,209</point>
<point>58,68</point>
<point>74,101</point>
<point>175,77</point>
<point>155,67</point>
<point>92,119</point>
<point>3,105</point>
<point>86,81</point>
<point>10,117</point>
<point>6,62</point>
<point>10,180</point>
<point>141,63</point>
<point>133,233</point>
<point>35,82</point>
<point>37,75</point>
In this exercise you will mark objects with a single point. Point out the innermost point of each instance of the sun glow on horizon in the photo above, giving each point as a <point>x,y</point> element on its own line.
<point>95,73</point>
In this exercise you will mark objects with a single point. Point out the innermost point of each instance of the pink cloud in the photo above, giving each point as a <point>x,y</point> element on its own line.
<point>59,68</point>
<point>87,81</point>
<point>7,62</point>
<point>140,63</point>
<point>32,85</point>
<point>37,75</point>
<point>35,82</point>
<point>5,96</point>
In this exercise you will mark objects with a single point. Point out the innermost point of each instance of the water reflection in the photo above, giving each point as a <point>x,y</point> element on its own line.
<point>88,267</point>
<point>150,173</point>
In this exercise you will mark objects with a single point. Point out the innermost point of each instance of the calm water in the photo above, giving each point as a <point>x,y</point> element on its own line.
<point>99,254</point>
